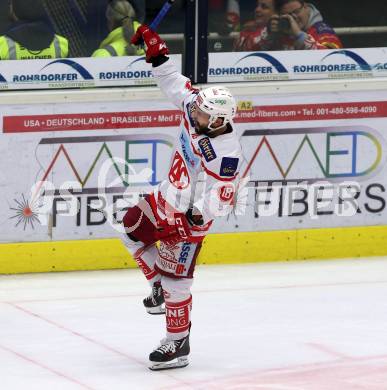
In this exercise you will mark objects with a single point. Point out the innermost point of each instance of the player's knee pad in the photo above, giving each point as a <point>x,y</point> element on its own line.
<point>176,290</point>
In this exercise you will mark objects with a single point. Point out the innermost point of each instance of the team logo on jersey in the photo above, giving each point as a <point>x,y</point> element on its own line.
<point>226,192</point>
<point>228,166</point>
<point>178,174</point>
<point>207,149</point>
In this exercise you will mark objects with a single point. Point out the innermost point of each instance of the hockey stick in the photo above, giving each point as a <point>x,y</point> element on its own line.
<point>160,16</point>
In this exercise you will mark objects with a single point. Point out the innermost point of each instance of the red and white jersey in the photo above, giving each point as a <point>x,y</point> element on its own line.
<point>203,171</point>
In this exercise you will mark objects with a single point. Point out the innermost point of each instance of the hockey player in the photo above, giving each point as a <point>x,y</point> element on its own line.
<point>200,186</point>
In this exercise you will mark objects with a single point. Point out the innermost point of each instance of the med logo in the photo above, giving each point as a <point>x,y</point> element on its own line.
<point>329,153</point>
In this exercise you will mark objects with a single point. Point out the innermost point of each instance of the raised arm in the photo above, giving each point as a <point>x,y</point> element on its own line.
<point>173,84</point>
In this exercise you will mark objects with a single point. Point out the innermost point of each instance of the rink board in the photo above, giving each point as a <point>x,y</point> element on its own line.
<point>292,134</point>
<point>232,248</point>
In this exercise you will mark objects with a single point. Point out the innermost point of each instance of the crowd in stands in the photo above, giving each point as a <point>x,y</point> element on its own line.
<point>30,33</point>
<point>286,25</point>
<point>60,28</point>
<point>29,36</point>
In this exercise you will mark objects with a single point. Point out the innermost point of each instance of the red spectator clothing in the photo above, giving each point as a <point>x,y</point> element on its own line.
<point>250,40</point>
<point>318,35</point>
<point>324,37</point>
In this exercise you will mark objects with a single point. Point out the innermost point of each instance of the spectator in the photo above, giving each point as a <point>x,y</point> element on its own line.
<point>122,25</point>
<point>233,15</point>
<point>30,36</point>
<point>70,19</point>
<point>224,16</point>
<point>250,37</point>
<point>300,26</point>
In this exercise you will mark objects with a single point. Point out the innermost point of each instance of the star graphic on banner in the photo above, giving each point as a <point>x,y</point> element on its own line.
<point>25,213</point>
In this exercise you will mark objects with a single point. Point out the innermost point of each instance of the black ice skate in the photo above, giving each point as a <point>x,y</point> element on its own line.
<point>154,304</point>
<point>170,354</point>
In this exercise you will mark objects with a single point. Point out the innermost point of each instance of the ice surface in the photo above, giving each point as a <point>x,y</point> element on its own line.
<point>284,326</point>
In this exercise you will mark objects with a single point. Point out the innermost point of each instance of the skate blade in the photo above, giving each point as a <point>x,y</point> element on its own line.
<point>175,363</point>
<point>156,310</point>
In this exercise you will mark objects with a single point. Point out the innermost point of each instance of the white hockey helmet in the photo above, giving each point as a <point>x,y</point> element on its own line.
<point>217,102</point>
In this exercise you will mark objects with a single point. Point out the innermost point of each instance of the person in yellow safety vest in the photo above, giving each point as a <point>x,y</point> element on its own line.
<point>31,36</point>
<point>122,26</point>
